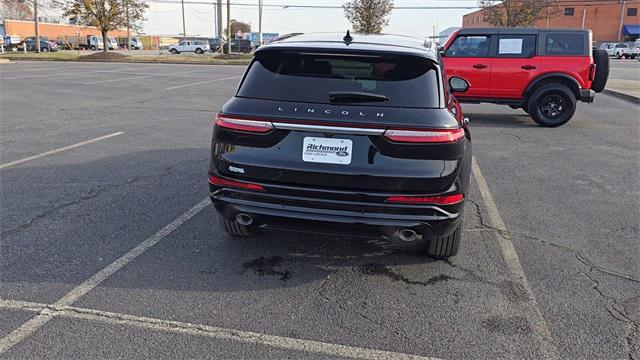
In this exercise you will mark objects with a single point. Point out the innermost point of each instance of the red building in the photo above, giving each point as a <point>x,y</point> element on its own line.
<point>610,20</point>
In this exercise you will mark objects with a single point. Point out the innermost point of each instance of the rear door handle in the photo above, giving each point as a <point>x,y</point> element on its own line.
<point>527,67</point>
<point>479,66</point>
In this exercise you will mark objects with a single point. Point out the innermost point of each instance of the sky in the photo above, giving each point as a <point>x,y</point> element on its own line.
<point>166,19</point>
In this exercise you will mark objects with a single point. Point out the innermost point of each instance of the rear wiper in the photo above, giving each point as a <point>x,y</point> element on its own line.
<point>355,96</point>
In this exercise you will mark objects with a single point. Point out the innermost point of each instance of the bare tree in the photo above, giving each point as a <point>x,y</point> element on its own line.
<point>16,10</point>
<point>517,13</point>
<point>368,16</point>
<point>107,15</point>
<point>240,26</point>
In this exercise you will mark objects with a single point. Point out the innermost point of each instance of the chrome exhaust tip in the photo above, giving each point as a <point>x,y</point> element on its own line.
<point>244,219</point>
<point>407,235</point>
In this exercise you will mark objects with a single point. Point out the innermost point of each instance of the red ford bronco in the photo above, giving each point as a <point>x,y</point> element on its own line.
<point>543,71</point>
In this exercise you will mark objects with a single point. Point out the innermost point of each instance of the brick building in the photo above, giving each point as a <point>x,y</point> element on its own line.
<point>23,29</point>
<point>610,20</point>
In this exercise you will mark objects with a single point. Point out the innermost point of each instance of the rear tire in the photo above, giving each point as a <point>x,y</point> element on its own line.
<point>601,59</point>
<point>198,51</point>
<point>445,247</point>
<point>552,105</point>
<point>237,230</point>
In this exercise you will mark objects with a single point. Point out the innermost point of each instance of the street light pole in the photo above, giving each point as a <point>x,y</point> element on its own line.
<point>229,26</point>
<point>259,22</point>
<point>128,27</point>
<point>184,26</point>
<point>621,19</point>
<point>35,18</point>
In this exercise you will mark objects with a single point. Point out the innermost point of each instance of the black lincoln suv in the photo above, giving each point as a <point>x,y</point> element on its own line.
<point>344,134</point>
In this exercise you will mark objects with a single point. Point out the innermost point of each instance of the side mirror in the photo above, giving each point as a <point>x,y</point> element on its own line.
<point>457,84</point>
<point>441,50</point>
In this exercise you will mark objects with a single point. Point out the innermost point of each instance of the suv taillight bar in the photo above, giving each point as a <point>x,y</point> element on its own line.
<point>435,200</point>
<point>218,181</point>
<point>243,124</point>
<point>425,136</point>
<point>592,72</point>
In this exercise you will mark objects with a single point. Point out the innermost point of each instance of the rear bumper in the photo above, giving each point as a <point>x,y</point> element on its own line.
<point>587,95</point>
<point>336,217</point>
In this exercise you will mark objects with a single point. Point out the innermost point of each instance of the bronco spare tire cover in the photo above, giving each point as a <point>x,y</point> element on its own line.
<point>601,58</point>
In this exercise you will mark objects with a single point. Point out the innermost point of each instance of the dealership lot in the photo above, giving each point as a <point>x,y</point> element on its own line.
<point>109,247</point>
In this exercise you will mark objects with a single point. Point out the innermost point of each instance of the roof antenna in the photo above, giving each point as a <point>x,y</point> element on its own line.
<point>347,38</point>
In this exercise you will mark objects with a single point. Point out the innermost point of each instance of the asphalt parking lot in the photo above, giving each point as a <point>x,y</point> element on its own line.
<point>110,248</point>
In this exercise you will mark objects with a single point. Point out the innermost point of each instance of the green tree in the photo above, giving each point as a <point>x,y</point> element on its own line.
<point>107,15</point>
<point>517,13</point>
<point>368,16</point>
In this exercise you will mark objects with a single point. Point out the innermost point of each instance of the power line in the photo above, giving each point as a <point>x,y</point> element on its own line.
<point>285,6</point>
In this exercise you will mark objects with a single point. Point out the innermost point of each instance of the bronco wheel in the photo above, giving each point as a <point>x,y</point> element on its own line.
<point>198,51</point>
<point>235,229</point>
<point>173,51</point>
<point>552,105</point>
<point>445,247</point>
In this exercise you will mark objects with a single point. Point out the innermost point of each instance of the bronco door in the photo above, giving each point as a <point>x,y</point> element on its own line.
<point>468,57</point>
<point>515,65</point>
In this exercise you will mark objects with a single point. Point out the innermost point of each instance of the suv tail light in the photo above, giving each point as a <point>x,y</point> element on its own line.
<point>215,180</point>
<point>437,200</point>
<point>425,136</point>
<point>592,72</point>
<point>243,124</point>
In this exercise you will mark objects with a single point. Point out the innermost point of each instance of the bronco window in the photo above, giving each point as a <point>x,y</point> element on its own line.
<point>469,46</point>
<point>394,81</point>
<point>564,44</point>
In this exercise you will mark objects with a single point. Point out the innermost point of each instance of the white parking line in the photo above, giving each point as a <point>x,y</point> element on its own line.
<point>78,72</point>
<point>43,317</point>
<point>123,79</point>
<point>27,69</point>
<point>281,342</point>
<point>142,77</point>
<point>202,82</point>
<point>55,151</point>
<point>511,259</point>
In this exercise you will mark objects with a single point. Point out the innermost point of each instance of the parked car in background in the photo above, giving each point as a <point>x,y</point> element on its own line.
<point>196,46</point>
<point>113,43</point>
<point>239,46</point>
<point>543,71</point>
<point>45,45</point>
<point>134,43</point>
<point>626,50</point>
<point>608,47</point>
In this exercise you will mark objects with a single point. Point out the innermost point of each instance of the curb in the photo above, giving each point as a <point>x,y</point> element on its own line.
<point>123,61</point>
<point>4,61</point>
<point>623,96</point>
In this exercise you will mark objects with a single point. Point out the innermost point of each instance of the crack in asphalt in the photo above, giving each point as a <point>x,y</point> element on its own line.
<point>379,269</point>
<point>93,193</point>
<point>631,327</point>
<point>320,292</point>
<point>510,134</point>
<point>578,255</point>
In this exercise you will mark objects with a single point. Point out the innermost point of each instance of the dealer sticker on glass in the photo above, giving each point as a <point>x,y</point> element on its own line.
<point>328,151</point>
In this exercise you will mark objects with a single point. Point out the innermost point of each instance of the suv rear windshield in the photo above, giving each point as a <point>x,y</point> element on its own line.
<point>405,81</point>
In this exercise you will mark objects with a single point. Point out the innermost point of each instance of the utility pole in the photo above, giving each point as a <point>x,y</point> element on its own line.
<point>35,18</point>
<point>219,34</point>
<point>259,22</point>
<point>621,19</point>
<point>128,27</point>
<point>229,26</point>
<point>184,26</point>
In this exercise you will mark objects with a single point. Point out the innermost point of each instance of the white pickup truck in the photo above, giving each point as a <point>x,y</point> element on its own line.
<point>627,50</point>
<point>196,46</point>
